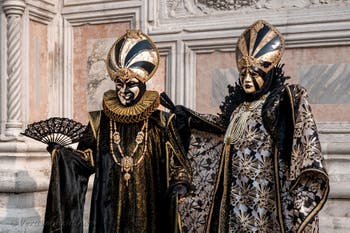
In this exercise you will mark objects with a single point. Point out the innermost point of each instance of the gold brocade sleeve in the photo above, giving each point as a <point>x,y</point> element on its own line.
<point>307,174</point>
<point>205,122</point>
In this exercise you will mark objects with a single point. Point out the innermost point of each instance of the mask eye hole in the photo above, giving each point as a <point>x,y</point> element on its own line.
<point>132,84</point>
<point>119,84</point>
<point>253,74</point>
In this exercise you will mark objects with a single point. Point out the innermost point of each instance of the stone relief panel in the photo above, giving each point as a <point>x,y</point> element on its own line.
<point>180,8</point>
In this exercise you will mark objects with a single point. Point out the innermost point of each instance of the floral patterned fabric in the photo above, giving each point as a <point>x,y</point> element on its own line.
<point>204,154</point>
<point>251,200</point>
<point>259,187</point>
<point>305,184</point>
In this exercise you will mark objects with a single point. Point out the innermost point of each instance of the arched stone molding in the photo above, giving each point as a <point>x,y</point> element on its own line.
<point>77,13</point>
<point>42,11</point>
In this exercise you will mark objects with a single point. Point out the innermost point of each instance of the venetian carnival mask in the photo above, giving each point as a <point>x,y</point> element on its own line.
<point>131,61</point>
<point>258,50</point>
<point>129,91</point>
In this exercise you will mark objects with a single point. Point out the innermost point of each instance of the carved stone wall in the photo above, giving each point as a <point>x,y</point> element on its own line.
<point>51,64</point>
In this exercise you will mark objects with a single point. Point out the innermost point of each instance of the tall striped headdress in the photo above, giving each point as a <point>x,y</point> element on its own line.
<point>261,45</point>
<point>134,55</point>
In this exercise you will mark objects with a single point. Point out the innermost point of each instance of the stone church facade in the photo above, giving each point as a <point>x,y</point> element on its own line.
<point>52,64</point>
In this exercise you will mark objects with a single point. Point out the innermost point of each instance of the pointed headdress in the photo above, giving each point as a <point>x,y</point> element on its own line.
<point>260,46</point>
<point>133,55</point>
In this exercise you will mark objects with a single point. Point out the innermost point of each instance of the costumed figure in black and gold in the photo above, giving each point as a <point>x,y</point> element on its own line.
<point>271,175</point>
<point>132,148</point>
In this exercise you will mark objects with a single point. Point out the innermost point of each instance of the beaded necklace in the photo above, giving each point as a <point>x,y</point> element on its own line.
<point>239,121</point>
<point>127,162</point>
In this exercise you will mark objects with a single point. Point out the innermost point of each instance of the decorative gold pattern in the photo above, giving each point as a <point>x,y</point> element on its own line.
<point>298,177</point>
<point>127,161</point>
<point>87,155</point>
<point>310,180</point>
<point>140,111</point>
<point>251,200</point>
<point>240,118</point>
<point>246,53</point>
<point>125,74</point>
<point>119,63</point>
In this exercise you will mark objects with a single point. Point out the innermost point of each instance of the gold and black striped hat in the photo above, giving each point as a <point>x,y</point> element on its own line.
<point>133,55</point>
<point>261,46</point>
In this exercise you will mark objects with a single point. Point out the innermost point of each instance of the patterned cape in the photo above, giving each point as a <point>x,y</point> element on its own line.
<point>302,181</point>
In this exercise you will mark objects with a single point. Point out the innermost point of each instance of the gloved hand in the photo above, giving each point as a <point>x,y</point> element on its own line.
<point>179,110</point>
<point>181,117</point>
<point>180,189</point>
<point>182,125</point>
<point>51,146</point>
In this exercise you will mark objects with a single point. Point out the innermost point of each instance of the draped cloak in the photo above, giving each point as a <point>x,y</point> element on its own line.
<point>300,180</point>
<point>146,204</point>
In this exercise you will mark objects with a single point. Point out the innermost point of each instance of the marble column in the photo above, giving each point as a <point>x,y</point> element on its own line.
<point>24,165</point>
<point>14,10</point>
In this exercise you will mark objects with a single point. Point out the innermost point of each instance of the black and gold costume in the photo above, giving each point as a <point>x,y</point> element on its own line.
<point>271,175</point>
<point>273,178</point>
<point>135,153</point>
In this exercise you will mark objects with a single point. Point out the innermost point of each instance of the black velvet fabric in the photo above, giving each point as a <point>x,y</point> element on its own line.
<point>66,196</point>
<point>146,204</point>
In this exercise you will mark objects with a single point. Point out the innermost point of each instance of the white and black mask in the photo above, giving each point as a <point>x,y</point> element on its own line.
<point>129,91</point>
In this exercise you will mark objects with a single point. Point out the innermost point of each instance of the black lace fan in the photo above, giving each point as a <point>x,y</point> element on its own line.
<point>62,131</point>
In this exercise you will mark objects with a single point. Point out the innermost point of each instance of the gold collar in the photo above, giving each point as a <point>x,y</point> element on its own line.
<point>140,111</point>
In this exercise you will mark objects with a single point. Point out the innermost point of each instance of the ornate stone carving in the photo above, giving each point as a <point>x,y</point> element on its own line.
<point>179,8</point>
<point>228,4</point>
<point>14,10</point>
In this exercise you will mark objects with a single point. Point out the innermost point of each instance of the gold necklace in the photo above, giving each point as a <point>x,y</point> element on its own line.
<point>239,121</point>
<point>127,163</point>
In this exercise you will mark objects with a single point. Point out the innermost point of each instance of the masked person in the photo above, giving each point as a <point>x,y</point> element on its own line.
<point>132,148</point>
<point>271,175</point>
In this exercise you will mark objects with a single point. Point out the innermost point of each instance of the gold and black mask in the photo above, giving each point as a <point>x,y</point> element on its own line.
<point>133,55</point>
<point>259,49</point>
<point>131,61</point>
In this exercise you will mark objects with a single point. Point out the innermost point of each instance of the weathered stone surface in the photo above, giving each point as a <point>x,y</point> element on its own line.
<point>64,46</point>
